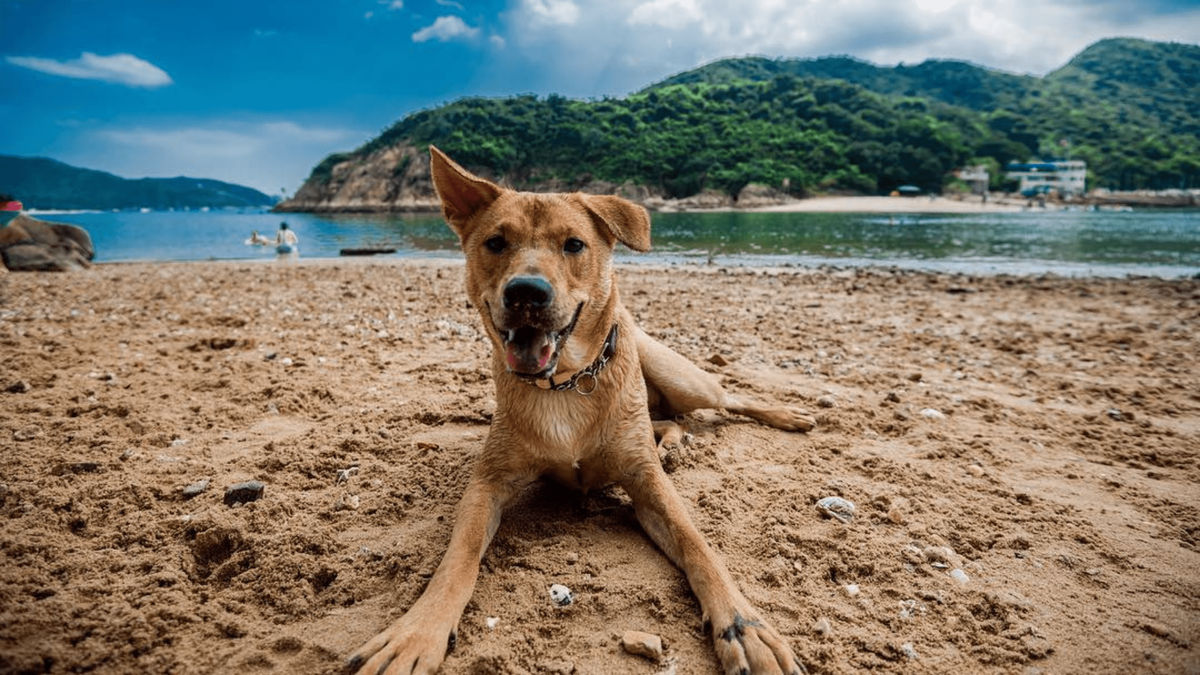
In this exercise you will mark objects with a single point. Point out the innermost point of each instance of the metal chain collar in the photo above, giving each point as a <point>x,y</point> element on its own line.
<point>589,376</point>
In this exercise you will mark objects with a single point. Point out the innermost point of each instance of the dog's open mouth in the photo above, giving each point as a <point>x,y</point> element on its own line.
<point>532,351</point>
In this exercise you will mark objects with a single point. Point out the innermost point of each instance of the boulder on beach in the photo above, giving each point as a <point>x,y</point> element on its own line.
<point>31,245</point>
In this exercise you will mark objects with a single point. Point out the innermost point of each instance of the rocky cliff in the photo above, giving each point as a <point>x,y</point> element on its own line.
<point>396,179</point>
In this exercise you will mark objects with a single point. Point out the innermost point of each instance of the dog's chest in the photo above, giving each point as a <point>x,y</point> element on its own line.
<point>562,423</point>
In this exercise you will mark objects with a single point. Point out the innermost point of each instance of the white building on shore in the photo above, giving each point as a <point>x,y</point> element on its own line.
<point>976,177</point>
<point>1066,177</point>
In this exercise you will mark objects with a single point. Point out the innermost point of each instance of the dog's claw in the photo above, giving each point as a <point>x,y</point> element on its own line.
<point>747,645</point>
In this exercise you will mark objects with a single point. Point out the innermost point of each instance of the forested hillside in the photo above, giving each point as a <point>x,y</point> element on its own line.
<point>1126,106</point>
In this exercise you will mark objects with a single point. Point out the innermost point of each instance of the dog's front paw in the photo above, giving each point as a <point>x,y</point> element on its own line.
<point>410,645</point>
<point>747,645</point>
<point>789,418</point>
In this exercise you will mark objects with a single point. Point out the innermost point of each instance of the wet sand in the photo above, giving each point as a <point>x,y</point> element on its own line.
<point>1038,434</point>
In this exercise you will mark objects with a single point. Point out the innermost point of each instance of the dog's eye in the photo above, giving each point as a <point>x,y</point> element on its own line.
<point>573,245</point>
<point>496,244</point>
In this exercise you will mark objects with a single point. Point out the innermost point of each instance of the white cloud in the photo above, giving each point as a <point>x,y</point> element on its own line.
<point>394,4</point>
<point>551,12</point>
<point>452,3</point>
<point>672,14</point>
<point>445,28</point>
<point>615,46</point>
<point>124,69</point>
<point>265,155</point>
<point>497,41</point>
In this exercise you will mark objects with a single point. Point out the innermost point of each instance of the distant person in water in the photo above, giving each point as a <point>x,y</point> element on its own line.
<point>257,239</point>
<point>286,241</point>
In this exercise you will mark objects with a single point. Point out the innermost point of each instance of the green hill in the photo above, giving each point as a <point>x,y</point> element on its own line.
<point>48,184</point>
<point>803,125</point>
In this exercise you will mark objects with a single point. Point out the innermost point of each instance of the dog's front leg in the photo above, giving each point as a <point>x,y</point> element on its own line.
<point>745,643</point>
<point>418,641</point>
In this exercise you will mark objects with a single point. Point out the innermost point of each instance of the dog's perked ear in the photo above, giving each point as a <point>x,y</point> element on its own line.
<point>627,221</point>
<point>463,194</point>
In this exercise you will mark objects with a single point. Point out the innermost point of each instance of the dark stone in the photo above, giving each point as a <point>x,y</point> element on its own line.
<point>77,467</point>
<point>32,245</point>
<point>241,493</point>
<point>18,387</point>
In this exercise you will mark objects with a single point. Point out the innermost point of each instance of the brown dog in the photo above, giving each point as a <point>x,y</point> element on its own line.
<point>576,380</point>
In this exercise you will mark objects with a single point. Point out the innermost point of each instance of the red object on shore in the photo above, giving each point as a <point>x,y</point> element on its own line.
<point>11,206</point>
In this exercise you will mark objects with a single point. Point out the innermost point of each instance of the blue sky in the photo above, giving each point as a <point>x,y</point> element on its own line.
<point>257,92</point>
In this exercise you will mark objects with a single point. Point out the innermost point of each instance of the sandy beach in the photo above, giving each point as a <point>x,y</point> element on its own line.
<point>1022,453</point>
<point>919,204</point>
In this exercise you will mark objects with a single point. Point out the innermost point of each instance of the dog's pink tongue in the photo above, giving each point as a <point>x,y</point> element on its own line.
<point>528,361</point>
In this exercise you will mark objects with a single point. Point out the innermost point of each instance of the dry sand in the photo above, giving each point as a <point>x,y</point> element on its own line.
<point>918,204</point>
<point>1063,476</point>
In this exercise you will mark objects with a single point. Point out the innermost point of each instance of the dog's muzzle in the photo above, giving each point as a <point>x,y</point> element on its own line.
<point>531,336</point>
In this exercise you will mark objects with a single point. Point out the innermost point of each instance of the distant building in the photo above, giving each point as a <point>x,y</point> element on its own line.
<point>976,177</point>
<point>1066,177</point>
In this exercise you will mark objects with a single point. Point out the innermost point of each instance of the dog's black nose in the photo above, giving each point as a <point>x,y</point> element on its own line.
<point>528,293</point>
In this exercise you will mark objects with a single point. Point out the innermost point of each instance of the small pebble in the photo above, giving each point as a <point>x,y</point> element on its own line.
<point>975,470</point>
<point>959,575</point>
<point>940,554</point>
<point>892,397</point>
<point>241,493</point>
<point>561,595</point>
<point>82,467</point>
<point>26,434</point>
<point>195,489</point>
<point>572,558</point>
<point>18,387</point>
<point>344,475</point>
<point>826,401</point>
<point>642,644</point>
<point>348,503</point>
<point>908,650</point>
<point>913,554</point>
<point>932,414</point>
<point>851,589</point>
<point>491,622</point>
<point>915,377</point>
<point>718,360</point>
<point>822,627</point>
<point>836,507</point>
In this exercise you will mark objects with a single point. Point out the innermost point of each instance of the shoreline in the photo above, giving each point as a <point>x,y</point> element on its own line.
<point>724,263</point>
<point>705,203</point>
<point>883,205</point>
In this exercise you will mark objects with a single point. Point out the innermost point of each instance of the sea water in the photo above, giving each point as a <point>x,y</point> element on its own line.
<point>1164,243</point>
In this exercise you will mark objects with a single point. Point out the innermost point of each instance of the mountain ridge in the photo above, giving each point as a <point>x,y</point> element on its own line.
<point>44,183</point>
<point>800,126</point>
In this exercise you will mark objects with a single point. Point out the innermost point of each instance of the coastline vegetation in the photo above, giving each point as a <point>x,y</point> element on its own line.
<point>1125,106</point>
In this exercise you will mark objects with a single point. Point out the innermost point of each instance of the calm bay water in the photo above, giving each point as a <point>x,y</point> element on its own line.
<point>1159,243</point>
